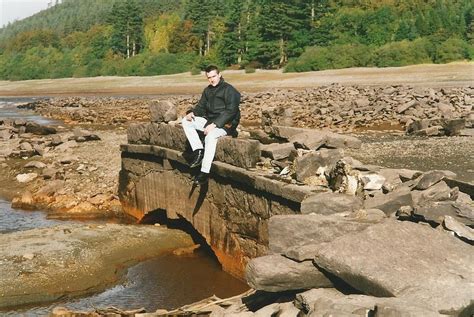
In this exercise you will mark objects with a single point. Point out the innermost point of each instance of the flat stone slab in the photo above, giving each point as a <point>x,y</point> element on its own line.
<point>286,232</point>
<point>43,265</point>
<point>275,273</point>
<point>330,203</point>
<point>405,260</point>
<point>238,152</point>
<point>330,302</point>
<point>277,151</point>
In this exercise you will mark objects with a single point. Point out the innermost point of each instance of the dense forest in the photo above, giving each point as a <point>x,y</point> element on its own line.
<point>80,38</point>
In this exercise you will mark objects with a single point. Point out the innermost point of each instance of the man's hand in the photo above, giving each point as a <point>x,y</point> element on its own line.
<point>209,128</point>
<point>190,116</point>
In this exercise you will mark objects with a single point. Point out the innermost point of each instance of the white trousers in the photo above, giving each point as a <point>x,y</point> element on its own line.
<point>210,140</point>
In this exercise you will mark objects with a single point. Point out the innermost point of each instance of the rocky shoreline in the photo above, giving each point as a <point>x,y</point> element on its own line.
<point>72,170</point>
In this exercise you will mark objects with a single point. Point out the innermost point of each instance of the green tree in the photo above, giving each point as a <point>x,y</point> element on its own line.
<point>126,19</point>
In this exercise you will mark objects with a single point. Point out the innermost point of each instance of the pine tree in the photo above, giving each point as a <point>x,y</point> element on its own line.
<point>126,19</point>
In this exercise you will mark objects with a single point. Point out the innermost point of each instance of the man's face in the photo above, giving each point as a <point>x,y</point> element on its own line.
<point>214,77</point>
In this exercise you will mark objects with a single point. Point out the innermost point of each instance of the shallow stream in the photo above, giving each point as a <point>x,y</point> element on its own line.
<point>164,282</point>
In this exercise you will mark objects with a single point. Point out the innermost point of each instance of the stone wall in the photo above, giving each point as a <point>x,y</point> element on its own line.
<point>231,213</point>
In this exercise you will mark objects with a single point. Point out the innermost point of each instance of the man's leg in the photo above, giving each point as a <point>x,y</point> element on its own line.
<point>190,128</point>
<point>210,148</point>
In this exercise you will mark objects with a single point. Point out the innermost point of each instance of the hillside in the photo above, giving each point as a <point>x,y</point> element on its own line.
<point>86,38</point>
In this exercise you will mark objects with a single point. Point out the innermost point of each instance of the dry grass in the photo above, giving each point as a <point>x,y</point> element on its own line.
<point>429,75</point>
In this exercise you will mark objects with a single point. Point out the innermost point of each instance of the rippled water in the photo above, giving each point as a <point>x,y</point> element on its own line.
<point>163,282</point>
<point>8,109</point>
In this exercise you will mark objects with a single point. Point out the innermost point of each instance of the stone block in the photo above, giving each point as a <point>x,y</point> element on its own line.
<point>238,152</point>
<point>292,231</point>
<point>285,132</point>
<point>275,273</point>
<point>167,135</point>
<point>138,133</point>
<point>277,151</point>
<point>162,111</point>
<point>454,126</point>
<point>330,203</point>
<point>308,164</point>
<point>433,269</point>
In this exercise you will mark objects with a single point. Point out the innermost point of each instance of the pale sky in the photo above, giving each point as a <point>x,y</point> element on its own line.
<point>11,10</point>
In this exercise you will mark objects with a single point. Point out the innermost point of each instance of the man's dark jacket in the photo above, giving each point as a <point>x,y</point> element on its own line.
<point>220,105</point>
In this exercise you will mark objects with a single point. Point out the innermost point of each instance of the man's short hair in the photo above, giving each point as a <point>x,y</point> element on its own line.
<point>210,68</point>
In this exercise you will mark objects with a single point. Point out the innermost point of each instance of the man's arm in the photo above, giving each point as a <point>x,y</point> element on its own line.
<point>200,109</point>
<point>232,102</point>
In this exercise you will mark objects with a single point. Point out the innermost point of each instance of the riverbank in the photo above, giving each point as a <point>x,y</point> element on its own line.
<point>66,261</point>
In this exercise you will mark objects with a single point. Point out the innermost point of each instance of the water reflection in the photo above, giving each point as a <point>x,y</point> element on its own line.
<point>165,282</point>
<point>9,109</point>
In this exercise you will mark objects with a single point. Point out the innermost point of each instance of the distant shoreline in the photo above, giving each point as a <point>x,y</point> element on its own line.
<point>458,74</point>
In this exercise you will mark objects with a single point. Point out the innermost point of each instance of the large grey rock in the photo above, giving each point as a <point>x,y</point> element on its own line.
<point>309,140</point>
<point>438,192</point>
<point>428,179</point>
<point>35,128</point>
<point>308,164</point>
<point>275,273</point>
<point>340,141</point>
<point>330,302</point>
<point>277,151</point>
<point>436,211</point>
<point>238,152</point>
<point>391,202</point>
<point>285,132</point>
<point>330,203</point>
<point>162,111</point>
<point>461,230</point>
<point>293,231</point>
<point>432,268</point>
<point>454,126</point>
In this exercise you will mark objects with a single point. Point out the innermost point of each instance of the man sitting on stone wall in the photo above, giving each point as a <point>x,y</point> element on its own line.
<point>217,114</point>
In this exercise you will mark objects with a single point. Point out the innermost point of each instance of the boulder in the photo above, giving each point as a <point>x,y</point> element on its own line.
<point>461,230</point>
<point>391,202</point>
<point>24,201</point>
<point>26,178</point>
<point>340,141</point>
<point>285,132</point>
<point>277,151</point>
<point>330,203</point>
<point>293,231</point>
<point>428,179</point>
<point>438,192</point>
<point>372,181</point>
<point>330,302</point>
<point>162,111</point>
<point>82,135</point>
<point>454,126</point>
<point>433,269</point>
<point>309,140</point>
<point>436,211</point>
<point>35,128</point>
<point>308,164</point>
<point>275,273</point>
